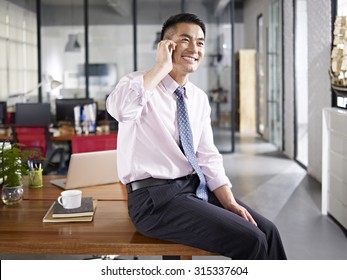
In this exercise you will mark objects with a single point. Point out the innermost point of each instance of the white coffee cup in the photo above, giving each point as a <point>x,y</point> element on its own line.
<point>70,199</point>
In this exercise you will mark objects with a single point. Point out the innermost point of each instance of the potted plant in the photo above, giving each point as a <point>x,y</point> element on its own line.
<point>13,167</point>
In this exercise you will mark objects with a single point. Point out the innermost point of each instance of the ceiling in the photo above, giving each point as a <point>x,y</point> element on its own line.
<point>120,2</point>
<point>120,6</point>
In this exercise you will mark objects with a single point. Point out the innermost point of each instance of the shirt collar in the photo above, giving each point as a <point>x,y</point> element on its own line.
<point>171,85</point>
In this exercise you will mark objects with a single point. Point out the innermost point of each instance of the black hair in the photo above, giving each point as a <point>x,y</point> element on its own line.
<point>185,17</point>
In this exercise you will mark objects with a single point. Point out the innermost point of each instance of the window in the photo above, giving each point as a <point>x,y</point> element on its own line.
<point>18,48</point>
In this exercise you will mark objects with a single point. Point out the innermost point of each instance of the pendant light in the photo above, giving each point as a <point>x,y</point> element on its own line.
<point>72,44</point>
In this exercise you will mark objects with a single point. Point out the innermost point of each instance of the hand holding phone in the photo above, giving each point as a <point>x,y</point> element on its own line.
<point>163,66</point>
<point>164,53</point>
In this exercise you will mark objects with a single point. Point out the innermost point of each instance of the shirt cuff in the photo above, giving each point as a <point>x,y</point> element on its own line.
<point>218,182</point>
<point>136,85</point>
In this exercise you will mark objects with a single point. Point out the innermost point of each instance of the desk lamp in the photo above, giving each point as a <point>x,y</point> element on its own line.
<point>21,97</point>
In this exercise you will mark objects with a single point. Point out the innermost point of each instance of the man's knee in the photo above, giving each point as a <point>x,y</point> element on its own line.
<point>257,246</point>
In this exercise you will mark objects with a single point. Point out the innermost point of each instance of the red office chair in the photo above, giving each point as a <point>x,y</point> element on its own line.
<point>38,138</point>
<point>93,143</point>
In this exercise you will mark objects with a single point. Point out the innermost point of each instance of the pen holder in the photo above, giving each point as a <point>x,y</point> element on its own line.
<point>35,178</point>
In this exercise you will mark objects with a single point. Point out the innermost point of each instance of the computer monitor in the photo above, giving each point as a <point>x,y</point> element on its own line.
<point>3,112</point>
<point>33,114</point>
<point>64,108</point>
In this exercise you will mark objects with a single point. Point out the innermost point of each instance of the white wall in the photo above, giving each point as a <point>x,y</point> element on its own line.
<point>319,45</point>
<point>342,8</point>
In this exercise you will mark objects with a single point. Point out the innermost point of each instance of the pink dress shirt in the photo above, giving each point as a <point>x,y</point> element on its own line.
<point>148,133</point>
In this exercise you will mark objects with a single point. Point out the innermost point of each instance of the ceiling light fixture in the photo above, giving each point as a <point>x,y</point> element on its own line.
<point>72,44</point>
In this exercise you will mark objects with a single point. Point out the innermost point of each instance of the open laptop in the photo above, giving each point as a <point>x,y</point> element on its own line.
<point>90,169</point>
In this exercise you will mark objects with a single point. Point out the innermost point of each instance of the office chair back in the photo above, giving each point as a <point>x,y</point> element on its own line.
<point>32,138</point>
<point>38,138</point>
<point>93,143</point>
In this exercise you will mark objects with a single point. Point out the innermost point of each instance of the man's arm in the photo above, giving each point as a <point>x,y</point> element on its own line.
<point>125,103</point>
<point>227,199</point>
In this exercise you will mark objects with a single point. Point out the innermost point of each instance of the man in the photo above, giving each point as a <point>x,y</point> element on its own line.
<point>176,194</point>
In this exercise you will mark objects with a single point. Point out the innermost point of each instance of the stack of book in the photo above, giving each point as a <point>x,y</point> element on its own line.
<point>58,214</point>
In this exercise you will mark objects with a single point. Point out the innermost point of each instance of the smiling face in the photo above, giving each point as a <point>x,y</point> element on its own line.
<point>189,51</point>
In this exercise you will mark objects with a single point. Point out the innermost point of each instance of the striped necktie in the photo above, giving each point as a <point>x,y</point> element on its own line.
<point>186,140</point>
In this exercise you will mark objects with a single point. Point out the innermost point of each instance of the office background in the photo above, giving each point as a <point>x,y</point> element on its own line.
<point>89,44</point>
<point>40,39</point>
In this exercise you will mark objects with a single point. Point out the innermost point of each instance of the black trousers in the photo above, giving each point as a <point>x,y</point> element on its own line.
<point>173,212</point>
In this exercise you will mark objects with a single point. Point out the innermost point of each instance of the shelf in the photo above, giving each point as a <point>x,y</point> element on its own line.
<point>334,164</point>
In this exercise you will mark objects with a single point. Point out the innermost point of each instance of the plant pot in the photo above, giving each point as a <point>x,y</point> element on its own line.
<point>11,195</point>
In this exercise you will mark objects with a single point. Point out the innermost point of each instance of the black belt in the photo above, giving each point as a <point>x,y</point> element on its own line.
<point>151,182</point>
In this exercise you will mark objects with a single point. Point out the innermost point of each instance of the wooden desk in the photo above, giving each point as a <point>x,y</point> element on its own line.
<point>59,138</point>
<point>110,233</point>
<point>62,138</point>
<point>50,192</point>
<point>6,137</point>
<point>68,137</point>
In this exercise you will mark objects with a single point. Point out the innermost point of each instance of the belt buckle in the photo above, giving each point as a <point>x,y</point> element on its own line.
<point>129,188</point>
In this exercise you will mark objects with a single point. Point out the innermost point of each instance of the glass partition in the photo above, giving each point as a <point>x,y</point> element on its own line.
<point>261,109</point>
<point>301,82</point>
<point>274,74</point>
<point>111,54</point>
<point>65,28</point>
<point>149,23</point>
<point>214,75</point>
<point>62,49</point>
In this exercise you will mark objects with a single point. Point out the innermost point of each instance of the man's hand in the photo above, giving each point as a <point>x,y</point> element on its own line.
<point>163,64</point>
<point>164,54</point>
<point>226,198</point>
<point>241,211</point>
